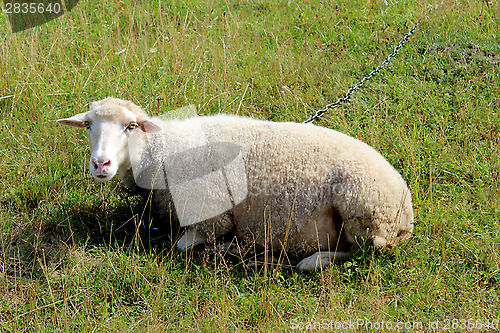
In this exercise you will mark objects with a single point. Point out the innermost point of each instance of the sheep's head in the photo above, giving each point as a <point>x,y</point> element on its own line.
<point>109,123</point>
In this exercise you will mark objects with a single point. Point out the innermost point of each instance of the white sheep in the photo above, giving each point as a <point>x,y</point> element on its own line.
<point>291,186</point>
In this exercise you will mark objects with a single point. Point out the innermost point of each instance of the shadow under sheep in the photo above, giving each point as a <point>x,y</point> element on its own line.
<point>158,224</point>
<point>134,224</point>
<point>31,247</point>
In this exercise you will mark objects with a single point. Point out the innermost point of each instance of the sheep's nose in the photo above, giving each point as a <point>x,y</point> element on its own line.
<point>101,166</point>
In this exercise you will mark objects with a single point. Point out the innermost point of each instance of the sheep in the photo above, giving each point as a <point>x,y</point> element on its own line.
<point>308,190</point>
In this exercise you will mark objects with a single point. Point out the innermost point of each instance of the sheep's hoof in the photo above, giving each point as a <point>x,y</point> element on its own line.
<point>189,240</point>
<point>379,242</point>
<point>320,259</point>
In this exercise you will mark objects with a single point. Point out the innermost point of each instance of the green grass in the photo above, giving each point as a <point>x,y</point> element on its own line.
<point>71,259</point>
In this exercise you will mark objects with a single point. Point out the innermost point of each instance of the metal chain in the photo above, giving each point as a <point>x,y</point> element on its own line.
<point>351,90</point>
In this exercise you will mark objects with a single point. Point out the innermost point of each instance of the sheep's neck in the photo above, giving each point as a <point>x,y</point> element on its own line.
<point>127,176</point>
<point>125,172</point>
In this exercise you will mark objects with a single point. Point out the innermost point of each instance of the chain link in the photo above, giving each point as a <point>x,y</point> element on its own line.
<point>345,98</point>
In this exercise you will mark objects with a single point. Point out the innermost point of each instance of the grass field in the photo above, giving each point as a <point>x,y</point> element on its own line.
<point>69,259</point>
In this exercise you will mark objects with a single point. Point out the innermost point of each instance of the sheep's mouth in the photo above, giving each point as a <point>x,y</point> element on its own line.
<point>101,177</point>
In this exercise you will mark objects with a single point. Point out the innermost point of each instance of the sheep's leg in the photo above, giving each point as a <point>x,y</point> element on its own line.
<point>320,259</point>
<point>206,231</point>
<point>189,239</point>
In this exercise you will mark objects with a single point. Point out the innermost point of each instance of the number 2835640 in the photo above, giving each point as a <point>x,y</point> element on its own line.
<point>32,8</point>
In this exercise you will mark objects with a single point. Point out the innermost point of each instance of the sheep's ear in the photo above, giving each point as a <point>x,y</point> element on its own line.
<point>78,120</point>
<point>148,126</point>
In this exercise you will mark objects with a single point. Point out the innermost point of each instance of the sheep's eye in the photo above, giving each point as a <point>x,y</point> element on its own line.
<point>86,124</point>
<point>131,126</point>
